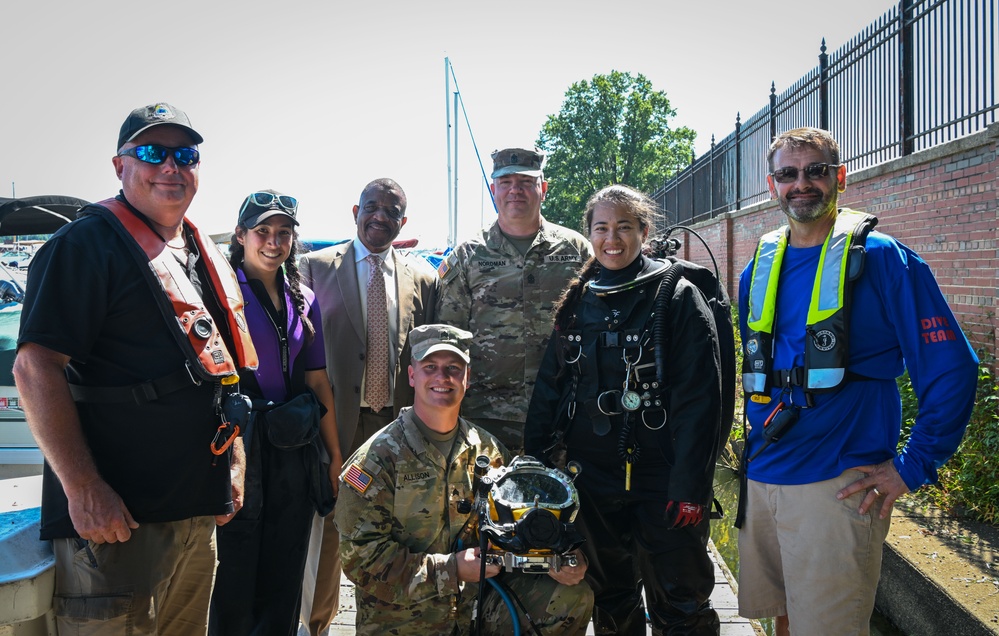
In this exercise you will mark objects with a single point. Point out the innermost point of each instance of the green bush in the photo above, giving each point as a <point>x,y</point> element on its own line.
<point>731,453</point>
<point>968,483</point>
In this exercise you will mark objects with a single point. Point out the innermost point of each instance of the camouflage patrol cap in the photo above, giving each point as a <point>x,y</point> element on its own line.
<point>427,339</point>
<point>520,160</point>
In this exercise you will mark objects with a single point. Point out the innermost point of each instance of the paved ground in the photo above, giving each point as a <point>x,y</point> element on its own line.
<point>723,599</point>
<point>940,574</point>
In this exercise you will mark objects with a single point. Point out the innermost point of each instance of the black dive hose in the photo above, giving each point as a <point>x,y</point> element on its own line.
<point>481,485</point>
<point>660,333</point>
<point>480,599</point>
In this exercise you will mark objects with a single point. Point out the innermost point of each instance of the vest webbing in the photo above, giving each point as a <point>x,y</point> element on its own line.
<point>179,302</point>
<point>826,347</point>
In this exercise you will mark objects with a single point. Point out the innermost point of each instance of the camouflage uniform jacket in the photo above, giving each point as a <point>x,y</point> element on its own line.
<point>506,300</point>
<point>397,531</point>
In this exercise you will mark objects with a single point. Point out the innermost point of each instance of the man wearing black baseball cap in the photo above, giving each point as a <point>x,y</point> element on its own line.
<point>124,392</point>
<point>144,118</point>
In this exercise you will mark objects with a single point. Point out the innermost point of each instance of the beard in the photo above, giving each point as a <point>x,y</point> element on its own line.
<point>807,211</point>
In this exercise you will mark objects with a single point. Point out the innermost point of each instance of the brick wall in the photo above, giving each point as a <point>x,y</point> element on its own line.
<point>943,203</point>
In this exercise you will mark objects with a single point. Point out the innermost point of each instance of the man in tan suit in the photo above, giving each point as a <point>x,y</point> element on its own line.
<point>345,278</point>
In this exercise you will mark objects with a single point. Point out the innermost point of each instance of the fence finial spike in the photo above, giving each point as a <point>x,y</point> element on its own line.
<point>773,88</point>
<point>823,47</point>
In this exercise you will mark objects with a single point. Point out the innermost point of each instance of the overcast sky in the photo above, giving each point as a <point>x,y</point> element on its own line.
<point>317,98</point>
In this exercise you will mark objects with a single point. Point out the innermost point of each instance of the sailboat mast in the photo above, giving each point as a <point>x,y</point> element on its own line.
<point>451,212</point>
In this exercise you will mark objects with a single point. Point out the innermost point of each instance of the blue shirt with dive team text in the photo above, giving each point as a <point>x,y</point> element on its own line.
<point>899,320</point>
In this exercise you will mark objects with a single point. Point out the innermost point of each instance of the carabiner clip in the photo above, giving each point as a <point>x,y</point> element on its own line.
<point>221,434</point>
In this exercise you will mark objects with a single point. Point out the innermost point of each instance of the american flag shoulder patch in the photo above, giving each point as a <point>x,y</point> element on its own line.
<point>443,268</point>
<point>357,478</point>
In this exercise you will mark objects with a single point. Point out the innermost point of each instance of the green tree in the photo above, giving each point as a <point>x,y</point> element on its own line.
<point>611,129</point>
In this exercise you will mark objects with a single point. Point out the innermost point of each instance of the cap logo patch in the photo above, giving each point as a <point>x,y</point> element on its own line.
<point>162,111</point>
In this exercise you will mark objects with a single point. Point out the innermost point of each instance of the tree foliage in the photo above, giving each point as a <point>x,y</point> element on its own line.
<point>611,129</point>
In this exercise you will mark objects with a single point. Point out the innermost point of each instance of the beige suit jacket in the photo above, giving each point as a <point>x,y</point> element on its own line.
<point>331,273</point>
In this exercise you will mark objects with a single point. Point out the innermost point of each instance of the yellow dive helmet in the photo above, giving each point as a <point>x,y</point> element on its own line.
<point>531,510</point>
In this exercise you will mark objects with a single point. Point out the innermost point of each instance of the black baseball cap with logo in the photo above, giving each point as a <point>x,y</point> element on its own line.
<point>144,118</point>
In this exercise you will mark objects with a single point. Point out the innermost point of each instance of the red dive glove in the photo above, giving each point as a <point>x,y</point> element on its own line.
<point>683,513</point>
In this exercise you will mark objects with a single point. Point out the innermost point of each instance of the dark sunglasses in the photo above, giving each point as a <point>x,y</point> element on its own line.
<point>814,172</point>
<point>157,154</point>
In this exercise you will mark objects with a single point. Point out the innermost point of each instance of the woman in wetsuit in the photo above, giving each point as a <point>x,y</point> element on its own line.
<point>630,388</point>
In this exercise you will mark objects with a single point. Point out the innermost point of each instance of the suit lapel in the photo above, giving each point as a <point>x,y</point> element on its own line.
<point>350,291</point>
<point>404,284</point>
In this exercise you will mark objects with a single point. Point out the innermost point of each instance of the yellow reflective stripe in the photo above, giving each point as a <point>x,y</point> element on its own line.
<point>830,278</point>
<point>763,286</point>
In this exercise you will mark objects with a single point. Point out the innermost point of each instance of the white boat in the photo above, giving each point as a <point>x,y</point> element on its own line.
<point>27,216</point>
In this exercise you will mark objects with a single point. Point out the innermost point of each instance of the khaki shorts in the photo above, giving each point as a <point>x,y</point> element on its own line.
<point>158,582</point>
<point>807,555</point>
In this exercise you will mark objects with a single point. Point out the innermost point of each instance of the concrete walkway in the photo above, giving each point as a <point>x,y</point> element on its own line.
<point>723,598</point>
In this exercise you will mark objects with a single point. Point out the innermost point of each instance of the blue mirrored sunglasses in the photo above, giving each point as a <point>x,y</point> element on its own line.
<point>157,154</point>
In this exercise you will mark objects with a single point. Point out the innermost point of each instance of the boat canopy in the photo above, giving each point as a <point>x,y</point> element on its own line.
<point>43,214</point>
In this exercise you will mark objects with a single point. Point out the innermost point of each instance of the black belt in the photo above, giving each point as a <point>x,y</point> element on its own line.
<point>139,393</point>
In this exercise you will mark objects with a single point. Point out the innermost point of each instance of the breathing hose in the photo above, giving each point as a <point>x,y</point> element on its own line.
<point>660,333</point>
<point>509,605</point>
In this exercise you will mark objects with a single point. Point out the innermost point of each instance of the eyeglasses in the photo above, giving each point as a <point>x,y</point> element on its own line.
<point>814,172</point>
<point>157,154</point>
<point>283,201</point>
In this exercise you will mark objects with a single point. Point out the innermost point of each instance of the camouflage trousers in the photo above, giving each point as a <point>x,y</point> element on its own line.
<point>554,608</point>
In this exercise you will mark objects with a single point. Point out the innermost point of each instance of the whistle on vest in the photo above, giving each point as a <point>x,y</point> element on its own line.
<point>780,421</point>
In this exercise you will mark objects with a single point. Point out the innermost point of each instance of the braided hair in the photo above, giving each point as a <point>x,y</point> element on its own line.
<point>566,305</point>
<point>292,276</point>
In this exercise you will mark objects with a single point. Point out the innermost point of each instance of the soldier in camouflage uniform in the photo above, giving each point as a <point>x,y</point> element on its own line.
<point>400,525</point>
<point>502,285</point>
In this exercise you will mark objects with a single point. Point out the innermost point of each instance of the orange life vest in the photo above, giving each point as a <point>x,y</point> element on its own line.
<point>180,303</point>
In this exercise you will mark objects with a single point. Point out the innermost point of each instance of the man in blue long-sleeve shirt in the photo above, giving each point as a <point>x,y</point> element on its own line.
<point>831,313</point>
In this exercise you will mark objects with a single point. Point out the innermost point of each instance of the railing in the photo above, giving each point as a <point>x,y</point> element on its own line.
<point>919,76</point>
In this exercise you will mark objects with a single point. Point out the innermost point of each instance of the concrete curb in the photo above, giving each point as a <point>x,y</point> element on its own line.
<point>918,606</point>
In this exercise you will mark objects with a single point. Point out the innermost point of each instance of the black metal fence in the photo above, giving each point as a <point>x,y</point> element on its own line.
<point>921,75</point>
